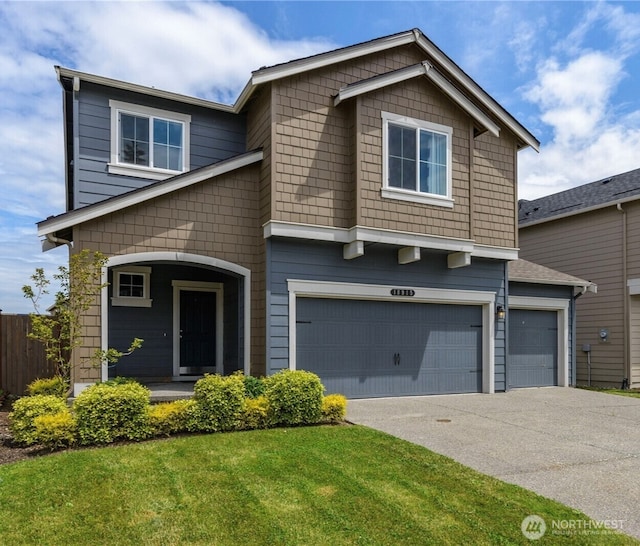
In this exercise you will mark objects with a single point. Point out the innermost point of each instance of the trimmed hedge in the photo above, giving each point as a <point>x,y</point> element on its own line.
<point>295,397</point>
<point>105,413</point>
<point>219,402</point>
<point>120,409</point>
<point>55,386</point>
<point>172,417</point>
<point>334,408</point>
<point>25,412</point>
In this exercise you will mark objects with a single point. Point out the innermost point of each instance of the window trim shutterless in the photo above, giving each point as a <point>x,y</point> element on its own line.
<point>116,166</point>
<point>416,196</point>
<point>118,300</point>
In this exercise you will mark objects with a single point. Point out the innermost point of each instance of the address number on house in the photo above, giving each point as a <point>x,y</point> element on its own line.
<point>402,292</point>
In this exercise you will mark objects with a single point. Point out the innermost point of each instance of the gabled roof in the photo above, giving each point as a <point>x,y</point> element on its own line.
<point>62,222</point>
<point>620,188</point>
<point>451,78</point>
<point>528,272</point>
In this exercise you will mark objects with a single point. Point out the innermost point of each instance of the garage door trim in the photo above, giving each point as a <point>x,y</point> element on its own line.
<point>562,308</point>
<point>380,292</point>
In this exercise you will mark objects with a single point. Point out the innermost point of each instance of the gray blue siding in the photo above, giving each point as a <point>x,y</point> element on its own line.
<point>214,136</point>
<point>306,260</point>
<point>155,324</point>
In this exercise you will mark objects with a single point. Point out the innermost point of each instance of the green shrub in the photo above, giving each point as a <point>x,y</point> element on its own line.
<point>26,409</point>
<point>172,417</point>
<point>256,413</point>
<point>55,386</point>
<point>55,430</point>
<point>253,386</point>
<point>295,397</point>
<point>3,395</point>
<point>334,408</point>
<point>220,401</point>
<point>105,413</point>
<point>119,380</point>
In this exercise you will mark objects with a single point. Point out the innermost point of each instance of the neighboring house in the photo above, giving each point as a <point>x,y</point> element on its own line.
<point>352,214</point>
<point>593,231</point>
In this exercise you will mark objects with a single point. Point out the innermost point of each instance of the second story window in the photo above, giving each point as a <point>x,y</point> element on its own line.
<point>416,160</point>
<point>147,142</point>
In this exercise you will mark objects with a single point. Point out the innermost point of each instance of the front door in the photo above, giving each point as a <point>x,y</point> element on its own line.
<point>197,332</point>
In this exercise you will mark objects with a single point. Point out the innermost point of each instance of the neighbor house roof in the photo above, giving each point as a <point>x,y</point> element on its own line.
<point>602,193</point>
<point>439,68</point>
<point>529,272</point>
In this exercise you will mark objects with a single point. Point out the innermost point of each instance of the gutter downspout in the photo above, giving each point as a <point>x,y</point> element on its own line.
<point>574,344</point>
<point>625,302</point>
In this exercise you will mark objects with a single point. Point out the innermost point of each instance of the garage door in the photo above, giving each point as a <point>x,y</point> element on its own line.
<point>533,348</point>
<point>374,348</point>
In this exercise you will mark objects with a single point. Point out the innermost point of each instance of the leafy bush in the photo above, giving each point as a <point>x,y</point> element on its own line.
<point>256,413</point>
<point>295,397</point>
<point>119,380</point>
<point>172,417</point>
<point>334,408</point>
<point>26,410</point>
<point>220,401</point>
<point>105,413</point>
<point>3,395</point>
<point>253,386</point>
<point>55,430</point>
<point>55,386</point>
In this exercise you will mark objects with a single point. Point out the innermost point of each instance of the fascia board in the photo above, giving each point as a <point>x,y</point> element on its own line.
<point>461,100</point>
<point>373,84</point>
<point>551,282</point>
<point>265,75</point>
<point>85,214</point>
<point>473,88</point>
<point>118,84</point>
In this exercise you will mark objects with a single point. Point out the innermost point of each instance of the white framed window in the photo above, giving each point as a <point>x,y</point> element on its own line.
<point>131,287</point>
<point>148,142</point>
<point>416,160</point>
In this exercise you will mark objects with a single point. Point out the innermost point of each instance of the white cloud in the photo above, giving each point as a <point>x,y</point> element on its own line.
<point>592,138</point>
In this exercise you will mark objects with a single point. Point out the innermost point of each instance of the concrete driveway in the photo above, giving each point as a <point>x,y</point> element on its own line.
<point>579,447</point>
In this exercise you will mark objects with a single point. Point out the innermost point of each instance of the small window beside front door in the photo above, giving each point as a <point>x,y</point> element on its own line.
<point>131,287</point>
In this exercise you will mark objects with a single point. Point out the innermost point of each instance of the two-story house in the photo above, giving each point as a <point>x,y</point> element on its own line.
<point>592,231</point>
<point>353,213</point>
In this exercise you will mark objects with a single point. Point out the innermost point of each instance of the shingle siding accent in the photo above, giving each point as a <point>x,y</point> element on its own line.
<point>216,218</point>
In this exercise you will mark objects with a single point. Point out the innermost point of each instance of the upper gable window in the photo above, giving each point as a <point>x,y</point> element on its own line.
<point>416,160</point>
<point>147,142</point>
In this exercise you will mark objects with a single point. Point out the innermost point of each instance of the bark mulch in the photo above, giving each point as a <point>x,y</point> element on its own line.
<point>9,452</point>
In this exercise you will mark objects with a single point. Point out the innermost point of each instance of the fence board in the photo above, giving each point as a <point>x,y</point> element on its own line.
<point>21,359</point>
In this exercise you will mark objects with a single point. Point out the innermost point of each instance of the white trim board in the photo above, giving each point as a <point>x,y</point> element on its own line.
<point>376,235</point>
<point>562,308</point>
<point>356,291</point>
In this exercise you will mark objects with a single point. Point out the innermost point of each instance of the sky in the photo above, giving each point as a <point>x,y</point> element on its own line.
<point>568,71</point>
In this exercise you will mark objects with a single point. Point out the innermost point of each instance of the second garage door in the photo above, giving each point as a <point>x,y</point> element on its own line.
<point>533,348</point>
<point>374,348</point>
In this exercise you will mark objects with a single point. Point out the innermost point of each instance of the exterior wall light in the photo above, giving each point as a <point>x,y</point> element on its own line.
<point>500,312</point>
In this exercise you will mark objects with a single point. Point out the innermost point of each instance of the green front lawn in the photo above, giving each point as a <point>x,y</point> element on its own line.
<point>315,485</point>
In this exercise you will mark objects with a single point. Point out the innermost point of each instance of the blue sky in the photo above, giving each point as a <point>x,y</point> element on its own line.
<point>569,71</point>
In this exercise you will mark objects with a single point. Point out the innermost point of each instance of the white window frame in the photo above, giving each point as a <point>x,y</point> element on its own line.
<point>415,196</point>
<point>141,171</point>
<point>131,301</point>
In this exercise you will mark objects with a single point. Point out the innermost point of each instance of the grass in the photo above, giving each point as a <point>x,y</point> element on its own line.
<point>315,486</point>
<point>633,393</point>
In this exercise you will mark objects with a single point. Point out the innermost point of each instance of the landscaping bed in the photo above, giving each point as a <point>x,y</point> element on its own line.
<point>9,452</point>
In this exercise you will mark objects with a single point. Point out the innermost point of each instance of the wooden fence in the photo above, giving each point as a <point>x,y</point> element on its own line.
<point>21,359</point>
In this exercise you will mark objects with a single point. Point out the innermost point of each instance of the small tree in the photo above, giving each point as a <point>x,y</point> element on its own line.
<point>61,331</point>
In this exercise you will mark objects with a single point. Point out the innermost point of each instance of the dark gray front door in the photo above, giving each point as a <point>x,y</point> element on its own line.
<point>533,348</point>
<point>373,348</point>
<point>197,332</point>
